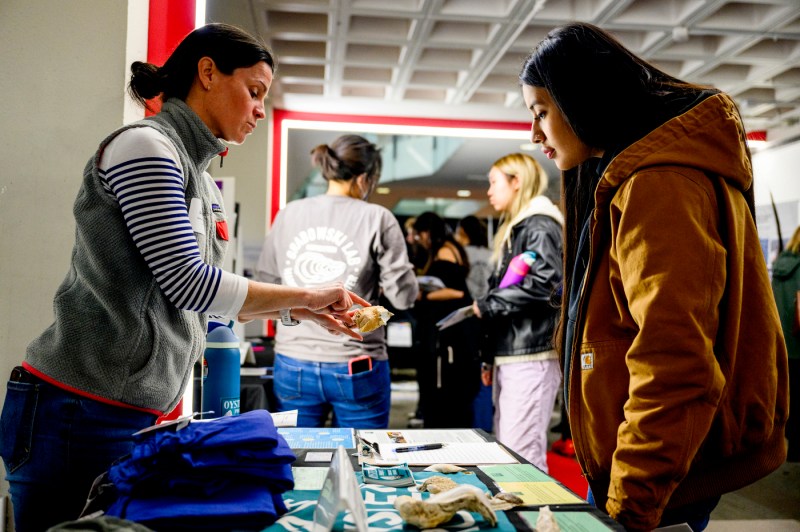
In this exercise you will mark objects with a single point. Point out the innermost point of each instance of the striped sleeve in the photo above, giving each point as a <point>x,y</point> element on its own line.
<point>140,170</point>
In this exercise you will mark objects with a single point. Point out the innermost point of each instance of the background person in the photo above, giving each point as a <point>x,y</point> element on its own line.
<point>471,233</point>
<point>785,286</point>
<point>518,320</point>
<point>337,237</point>
<point>131,314</point>
<point>675,366</point>
<point>448,372</point>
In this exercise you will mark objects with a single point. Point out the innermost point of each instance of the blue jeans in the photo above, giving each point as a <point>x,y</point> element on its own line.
<point>54,444</point>
<point>360,401</point>
<point>696,515</point>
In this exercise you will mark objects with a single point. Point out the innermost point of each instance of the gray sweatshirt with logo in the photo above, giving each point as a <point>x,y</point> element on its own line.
<point>327,239</point>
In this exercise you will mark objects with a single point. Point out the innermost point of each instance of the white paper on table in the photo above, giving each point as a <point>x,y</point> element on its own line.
<point>451,453</point>
<point>417,436</point>
<point>284,419</point>
<point>309,478</point>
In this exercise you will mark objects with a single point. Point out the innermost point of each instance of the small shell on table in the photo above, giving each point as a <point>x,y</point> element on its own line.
<point>444,468</point>
<point>546,522</point>
<point>370,318</point>
<point>505,500</point>
<point>437,484</point>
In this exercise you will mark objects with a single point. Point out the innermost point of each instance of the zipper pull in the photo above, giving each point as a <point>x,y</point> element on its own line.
<point>222,155</point>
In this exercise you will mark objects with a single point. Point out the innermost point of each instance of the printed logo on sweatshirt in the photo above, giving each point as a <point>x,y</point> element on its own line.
<point>587,360</point>
<point>321,255</point>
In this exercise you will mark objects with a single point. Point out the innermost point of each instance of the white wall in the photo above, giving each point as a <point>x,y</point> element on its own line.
<point>64,72</point>
<point>776,172</point>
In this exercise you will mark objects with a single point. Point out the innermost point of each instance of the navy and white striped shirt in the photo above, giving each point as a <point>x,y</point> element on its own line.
<point>140,170</point>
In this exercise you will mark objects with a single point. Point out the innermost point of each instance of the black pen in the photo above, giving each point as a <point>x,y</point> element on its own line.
<point>425,447</point>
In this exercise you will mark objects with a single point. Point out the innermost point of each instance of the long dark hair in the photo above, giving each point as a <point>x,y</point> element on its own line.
<point>440,234</point>
<point>230,48</point>
<point>590,76</point>
<point>580,55</point>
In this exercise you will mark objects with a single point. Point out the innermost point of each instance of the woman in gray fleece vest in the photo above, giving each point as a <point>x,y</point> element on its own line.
<point>131,314</point>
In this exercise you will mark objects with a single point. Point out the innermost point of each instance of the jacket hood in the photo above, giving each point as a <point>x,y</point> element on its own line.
<point>537,205</point>
<point>709,136</point>
<point>785,265</point>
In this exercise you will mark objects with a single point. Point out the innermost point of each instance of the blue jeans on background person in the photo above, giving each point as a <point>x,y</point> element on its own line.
<point>54,444</point>
<point>359,401</point>
<point>696,515</point>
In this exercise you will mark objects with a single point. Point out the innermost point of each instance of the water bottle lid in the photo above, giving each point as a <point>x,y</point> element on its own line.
<point>222,337</point>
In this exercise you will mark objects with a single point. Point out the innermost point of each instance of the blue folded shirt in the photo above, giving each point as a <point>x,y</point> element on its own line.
<point>231,468</point>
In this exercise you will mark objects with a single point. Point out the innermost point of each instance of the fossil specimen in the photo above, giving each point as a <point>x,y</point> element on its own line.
<point>441,507</point>
<point>505,500</point>
<point>370,318</point>
<point>437,484</point>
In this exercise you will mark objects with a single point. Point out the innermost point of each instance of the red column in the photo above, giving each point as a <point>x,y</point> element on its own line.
<point>169,22</point>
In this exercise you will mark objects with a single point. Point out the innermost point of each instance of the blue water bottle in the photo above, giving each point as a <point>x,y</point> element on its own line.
<point>221,385</point>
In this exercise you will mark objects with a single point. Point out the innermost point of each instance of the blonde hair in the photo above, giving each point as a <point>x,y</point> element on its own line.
<point>794,242</point>
<point>532,182</point>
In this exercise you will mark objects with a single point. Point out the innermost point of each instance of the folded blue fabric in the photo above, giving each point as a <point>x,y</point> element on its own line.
<point>201,457</point>
<point>226,473</point>
<point>243,507</point>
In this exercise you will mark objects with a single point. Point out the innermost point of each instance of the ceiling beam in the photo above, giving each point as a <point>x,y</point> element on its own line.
<point>521,14</point>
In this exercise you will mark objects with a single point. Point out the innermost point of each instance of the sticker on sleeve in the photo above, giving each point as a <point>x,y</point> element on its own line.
<point>196,216</point>
<point>587,360</point>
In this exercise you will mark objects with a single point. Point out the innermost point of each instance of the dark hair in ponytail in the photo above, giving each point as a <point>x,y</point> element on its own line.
<point>230,48</point>
<point>348,157</point>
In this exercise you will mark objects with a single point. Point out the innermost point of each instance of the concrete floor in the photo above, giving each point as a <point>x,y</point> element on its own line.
<point>770,505</point>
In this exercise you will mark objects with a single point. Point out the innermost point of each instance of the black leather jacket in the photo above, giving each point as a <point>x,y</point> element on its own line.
<point>519,319</point>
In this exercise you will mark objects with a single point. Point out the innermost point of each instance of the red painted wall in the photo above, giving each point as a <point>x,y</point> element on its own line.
<point>168,23</point>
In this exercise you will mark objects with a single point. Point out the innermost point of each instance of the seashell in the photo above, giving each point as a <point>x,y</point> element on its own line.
<point>441,507</point>
<point>505,500</point>
<point>444,468</point>
<point>546,522</point>
<point>370,318</point>
<point>437,484</point>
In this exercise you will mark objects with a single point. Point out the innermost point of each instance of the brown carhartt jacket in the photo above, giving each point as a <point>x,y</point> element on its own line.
<point>678,379</point>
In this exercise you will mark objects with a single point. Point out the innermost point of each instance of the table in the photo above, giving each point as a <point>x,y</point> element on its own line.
<point>379,499</point>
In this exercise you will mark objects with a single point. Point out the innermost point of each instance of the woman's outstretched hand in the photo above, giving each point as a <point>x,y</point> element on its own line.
<point>335,300</point>
<point>334,325</point>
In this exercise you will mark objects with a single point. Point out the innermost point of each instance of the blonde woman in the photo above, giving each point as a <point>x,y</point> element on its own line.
<point>519,319</point>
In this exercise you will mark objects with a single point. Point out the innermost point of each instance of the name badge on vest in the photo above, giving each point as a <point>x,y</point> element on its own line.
<point>196,216</point>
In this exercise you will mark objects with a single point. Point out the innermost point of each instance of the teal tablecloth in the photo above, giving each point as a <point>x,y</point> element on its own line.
<point>381,514</point>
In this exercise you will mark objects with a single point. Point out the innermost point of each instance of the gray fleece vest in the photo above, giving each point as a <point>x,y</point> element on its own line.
<point>116,335</point>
